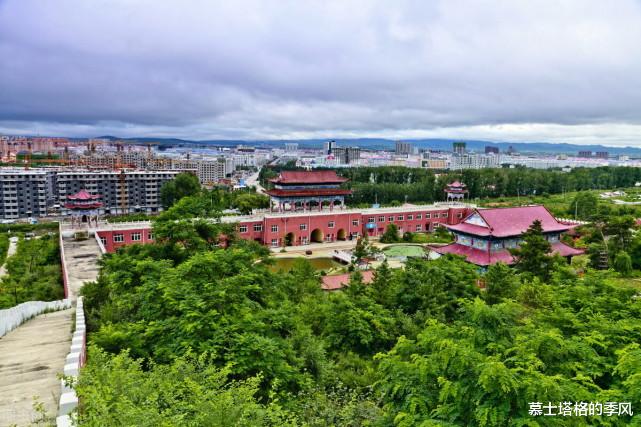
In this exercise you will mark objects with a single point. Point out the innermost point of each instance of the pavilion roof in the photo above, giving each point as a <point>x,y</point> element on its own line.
<point>338,281</point>
<point>83,195</point>
<point>308,192</point>
<point>506,222</point>
<point>308,177</point>
<point>484,258</point>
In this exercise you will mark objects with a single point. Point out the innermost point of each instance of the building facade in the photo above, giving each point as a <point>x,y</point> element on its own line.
<point>303,190</point>
<point>23,193</point>
<point>122,191</point>
<point>302,228</point>
<point>486,236</point>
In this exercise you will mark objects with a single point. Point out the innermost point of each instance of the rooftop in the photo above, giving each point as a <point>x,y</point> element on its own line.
<point>506,222</point>
<point>308,177</point>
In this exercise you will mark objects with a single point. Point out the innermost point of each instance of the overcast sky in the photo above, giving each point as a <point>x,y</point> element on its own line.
<point>566,71</point>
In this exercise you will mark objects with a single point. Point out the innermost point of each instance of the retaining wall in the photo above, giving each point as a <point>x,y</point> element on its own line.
<point>74,361</point>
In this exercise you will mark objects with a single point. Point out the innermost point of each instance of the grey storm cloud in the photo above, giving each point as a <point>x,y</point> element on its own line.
<point>530,70</point>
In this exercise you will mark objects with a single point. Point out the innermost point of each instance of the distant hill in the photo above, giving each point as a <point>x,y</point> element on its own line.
<point>387,144</point>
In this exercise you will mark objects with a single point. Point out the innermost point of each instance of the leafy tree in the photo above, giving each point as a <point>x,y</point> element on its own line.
<point>623,263</point>
<point>584,205</point>
<point>363,249</point>
<point>183,185</point>
<point>390,235</point>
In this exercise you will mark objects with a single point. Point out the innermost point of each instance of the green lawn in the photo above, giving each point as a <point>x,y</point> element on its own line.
<point>404,251</point>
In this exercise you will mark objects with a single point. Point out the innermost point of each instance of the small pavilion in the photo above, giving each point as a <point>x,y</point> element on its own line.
<point>307,190</point>
<point>83,207</point>
<point>456,191</point>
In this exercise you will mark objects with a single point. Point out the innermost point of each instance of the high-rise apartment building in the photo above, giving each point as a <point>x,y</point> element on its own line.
<point>347,155</point>
<point>459,147</point>
<point>23,193</point>
<point>403,148</point>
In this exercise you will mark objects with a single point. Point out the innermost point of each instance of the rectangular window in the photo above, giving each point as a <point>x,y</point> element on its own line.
<point>355,222</point>
<point>427,216</point>
<point>274,228</point>
<point>242,229</point>
<point>135,237</point>
<point>258,227</point>
<point>460,215</point>
<point>410,217</point>
<point>119,238</point>
<point>400,218</point>
<point>390,219</point>
<point>331,224</point>
<point>303,226</point>
<point>444,215</point>
<point>274,242</point>
<point>303,240</point>
<point>419,227</point>
<point>381,219</point>
<point>371,219</point>
<point>103,240</point>
<point>150,236</point>
<point>419,216</point>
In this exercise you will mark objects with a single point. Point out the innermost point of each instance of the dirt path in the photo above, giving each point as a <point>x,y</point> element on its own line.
<point>13,247</point>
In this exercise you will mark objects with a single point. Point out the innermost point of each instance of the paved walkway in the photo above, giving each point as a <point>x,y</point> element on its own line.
<point>31,356</point>
<point>81,259</point>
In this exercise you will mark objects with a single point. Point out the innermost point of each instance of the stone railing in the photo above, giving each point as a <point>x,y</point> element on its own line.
<point>65,276</point>
<point>74,361</point>
<point>103,250</point>
<point>13,317</point>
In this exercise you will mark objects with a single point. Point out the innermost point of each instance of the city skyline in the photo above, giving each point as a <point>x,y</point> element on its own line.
<point>535,72</point>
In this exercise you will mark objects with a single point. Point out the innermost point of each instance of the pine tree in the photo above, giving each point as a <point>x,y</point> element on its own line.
<point>533,254</point>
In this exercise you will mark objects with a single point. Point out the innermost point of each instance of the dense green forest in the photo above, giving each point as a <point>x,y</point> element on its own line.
<point>197,330</point>
<point>33,273</point>
<point>395,184</point>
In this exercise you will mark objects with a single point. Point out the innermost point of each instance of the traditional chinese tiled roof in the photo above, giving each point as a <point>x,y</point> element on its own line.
<point>308,177</point>
<point>506,222</point>
<point>83,195</point>
<point>308,192</point>
<point>485,258</point>
<point>456,184</point>
<point>338,281</point>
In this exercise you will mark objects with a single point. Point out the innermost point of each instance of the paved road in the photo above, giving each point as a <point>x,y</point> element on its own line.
<point>252,180</point>
<point>31,356</point>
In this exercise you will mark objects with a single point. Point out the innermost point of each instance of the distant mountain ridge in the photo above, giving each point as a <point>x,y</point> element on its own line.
<point>387,144</point>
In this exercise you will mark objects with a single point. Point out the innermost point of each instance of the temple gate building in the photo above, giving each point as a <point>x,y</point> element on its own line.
<point>304,190</point>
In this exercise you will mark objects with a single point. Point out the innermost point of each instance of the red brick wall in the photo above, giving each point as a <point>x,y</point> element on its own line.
<point>343,224</point>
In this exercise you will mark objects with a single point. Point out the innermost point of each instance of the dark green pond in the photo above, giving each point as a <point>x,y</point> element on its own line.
<point>286,264</point>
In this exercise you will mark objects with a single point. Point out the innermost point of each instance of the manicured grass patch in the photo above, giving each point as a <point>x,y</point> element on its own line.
<point>404,251</point>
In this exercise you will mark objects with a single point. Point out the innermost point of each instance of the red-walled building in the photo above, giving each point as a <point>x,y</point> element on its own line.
<point>486,236</point>
<point>301,228</point>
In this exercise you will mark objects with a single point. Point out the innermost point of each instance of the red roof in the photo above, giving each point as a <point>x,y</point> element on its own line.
<point>506,222</point>
<point>308,192</point>
<point>483,258</point>
<point>308,177</point>
<point>456,184</point>
<point>83,195</point>
<point>338,281</point>
<point>90,205</point>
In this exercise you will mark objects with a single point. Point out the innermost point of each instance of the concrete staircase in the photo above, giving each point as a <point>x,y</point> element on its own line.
<point>31,356</point>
